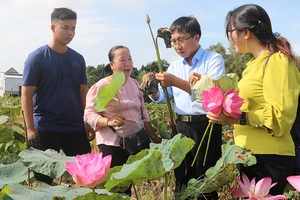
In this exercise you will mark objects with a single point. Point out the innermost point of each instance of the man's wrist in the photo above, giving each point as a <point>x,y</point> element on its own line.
<point>155,95</point>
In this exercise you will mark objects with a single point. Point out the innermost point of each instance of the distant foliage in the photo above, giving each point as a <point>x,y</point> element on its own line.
<point>94,74</point>
<point>234,62</point>
<point>12,139</point>
<point>153,66</point>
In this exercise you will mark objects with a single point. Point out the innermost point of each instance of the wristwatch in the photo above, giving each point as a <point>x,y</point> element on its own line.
<point>243,119</point>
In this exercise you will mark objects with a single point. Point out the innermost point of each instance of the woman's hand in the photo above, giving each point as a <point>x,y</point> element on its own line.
<point>222,119</point>
<point>155,139</point>
<point>90,132</point>
<point>117,120</point>
<point>194,77</point>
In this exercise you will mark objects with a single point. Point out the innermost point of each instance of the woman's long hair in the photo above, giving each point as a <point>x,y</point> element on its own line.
<point>256,19</point>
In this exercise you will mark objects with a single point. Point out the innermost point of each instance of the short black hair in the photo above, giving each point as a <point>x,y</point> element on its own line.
<point>63,14</point>
<point>188,24</point>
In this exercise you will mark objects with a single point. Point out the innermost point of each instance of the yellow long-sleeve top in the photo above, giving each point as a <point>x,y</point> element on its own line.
<point>270,94</point>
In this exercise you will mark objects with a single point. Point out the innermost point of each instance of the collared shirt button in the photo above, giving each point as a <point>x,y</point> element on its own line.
<point>260,125</point>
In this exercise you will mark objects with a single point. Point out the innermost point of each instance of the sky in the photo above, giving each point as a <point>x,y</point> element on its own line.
<point>102,24</point>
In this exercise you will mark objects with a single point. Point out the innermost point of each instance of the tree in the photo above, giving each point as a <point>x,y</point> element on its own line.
<point>234,62</point>
<point>153,66</point>
<point>94,74</point>
<point>298,62</point>
<point>219,48</point>
<point>135,73</point>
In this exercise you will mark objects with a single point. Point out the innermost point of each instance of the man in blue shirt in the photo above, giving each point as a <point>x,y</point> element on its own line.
<point>54,91</point>
<point>191,117</point>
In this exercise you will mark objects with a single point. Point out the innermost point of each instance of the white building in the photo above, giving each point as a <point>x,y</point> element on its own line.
<point>10,82</point>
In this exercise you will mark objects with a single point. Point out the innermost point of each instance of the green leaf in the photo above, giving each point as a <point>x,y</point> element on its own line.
<point>13,173</point>
<point>91,195</point>
<point>228,81</point>
<point>150,164</point>
<point>6,135</point>
<point>8,145</point>
<point>140,167</point>
<point>223,172</point>
<point>160,129</point>
<point>3,119</point>
<point>205,83</point>
<point>47,162</point>
<point>106,93</point>
<point>47,192</point>
<point>19,137</point>
<point>9,158</point>
<point>225,82</point>
<point>174,150</point>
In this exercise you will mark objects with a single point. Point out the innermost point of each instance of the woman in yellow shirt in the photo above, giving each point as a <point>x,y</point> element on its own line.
<point>270,87</point>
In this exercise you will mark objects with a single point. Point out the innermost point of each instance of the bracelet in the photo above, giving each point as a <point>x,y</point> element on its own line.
<point>107,121</point>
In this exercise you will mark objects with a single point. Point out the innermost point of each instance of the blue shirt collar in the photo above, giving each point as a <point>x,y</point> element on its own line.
<point>196,57</point>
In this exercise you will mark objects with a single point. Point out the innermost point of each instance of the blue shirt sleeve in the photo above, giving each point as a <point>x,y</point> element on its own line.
<point>31,71</point>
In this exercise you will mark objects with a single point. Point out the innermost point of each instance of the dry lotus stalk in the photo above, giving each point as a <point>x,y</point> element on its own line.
<point>149,84</point>
<point>165,33</point>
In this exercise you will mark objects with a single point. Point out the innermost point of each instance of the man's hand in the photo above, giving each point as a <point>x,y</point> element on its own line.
<point>166,79</point>
<point>33,138</point>
<point>194,77</point>
<point>90,132</point>
<point>149,84</point>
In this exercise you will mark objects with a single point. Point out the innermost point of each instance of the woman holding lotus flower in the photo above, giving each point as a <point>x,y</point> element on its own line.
<point>270,89</point>
<point>191,117</point>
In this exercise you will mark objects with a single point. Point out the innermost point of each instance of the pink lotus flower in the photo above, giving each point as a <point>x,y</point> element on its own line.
<point>89,170</point>
<point>212,100</point>
<point>255,192</point>
<point>294,181</point>
<point>232,103</point>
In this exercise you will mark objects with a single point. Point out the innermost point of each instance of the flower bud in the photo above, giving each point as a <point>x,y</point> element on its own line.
<point>148,19</point>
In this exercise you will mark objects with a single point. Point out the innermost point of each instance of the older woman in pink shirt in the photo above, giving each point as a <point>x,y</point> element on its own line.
<point>108,124</point>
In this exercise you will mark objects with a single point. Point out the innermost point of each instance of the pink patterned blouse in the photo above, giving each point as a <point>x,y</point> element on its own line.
<point>132,102</point>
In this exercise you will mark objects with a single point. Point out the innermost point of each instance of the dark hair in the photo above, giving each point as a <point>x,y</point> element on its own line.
<point>111,53</point>
<point>256,19</point>
<point>63,14</point>
<point>107,71</point>
<point>188,24</point>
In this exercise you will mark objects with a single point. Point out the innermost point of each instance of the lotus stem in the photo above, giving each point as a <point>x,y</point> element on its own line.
<point>205,132</point>
<point>208,142</point>
<point>27,147</point>
<point>121,110</point>
<point>166,187</point>
<point>135,192</point>
<point>94,193</point>
<point>60,180</point>
<point>168,102</point>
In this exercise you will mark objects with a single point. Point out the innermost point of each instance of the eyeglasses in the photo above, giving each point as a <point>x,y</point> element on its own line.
<point>180,41</point>
<point>229,32</point>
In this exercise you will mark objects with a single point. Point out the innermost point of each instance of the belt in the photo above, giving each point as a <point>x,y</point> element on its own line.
<point>192,118</point>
